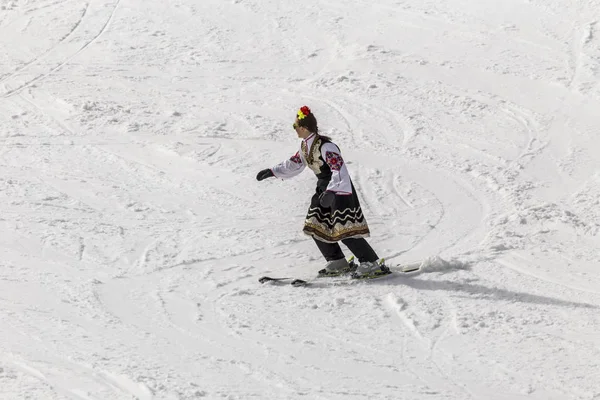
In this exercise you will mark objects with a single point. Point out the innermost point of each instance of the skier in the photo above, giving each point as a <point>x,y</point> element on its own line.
<point>334,214</point>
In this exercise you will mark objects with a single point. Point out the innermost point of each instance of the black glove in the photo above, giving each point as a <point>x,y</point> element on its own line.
<point>264,174</point>
<point>327,199</point>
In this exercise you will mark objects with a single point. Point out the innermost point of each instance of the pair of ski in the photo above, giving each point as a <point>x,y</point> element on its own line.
<point>385,271</point>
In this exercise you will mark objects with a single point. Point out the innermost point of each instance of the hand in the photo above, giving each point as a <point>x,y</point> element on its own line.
<point>264,174</point>
<point>327,199</point>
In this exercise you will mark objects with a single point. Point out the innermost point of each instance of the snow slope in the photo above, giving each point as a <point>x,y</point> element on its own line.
<point>133,231</point>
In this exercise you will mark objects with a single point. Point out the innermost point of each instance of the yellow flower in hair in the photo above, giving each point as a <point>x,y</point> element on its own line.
<point>303,112</point>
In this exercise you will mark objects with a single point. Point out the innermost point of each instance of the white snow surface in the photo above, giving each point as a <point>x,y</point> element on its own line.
<point>133,231</point>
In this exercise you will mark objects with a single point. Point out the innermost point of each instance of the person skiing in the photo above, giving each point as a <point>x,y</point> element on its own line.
<point>334,213</point>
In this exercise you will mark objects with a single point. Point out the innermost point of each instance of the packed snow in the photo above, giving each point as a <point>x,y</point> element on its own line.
<point>133,231</point>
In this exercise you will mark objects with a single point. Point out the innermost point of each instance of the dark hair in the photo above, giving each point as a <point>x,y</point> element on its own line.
<point>310,123</point>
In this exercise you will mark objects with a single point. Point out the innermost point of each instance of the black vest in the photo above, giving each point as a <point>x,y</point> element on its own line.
<point>315,162</point>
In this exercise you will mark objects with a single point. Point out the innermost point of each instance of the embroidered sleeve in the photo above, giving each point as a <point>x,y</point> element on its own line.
<point>289,168</point>
<point>334,160</point>
<point>340,179</point>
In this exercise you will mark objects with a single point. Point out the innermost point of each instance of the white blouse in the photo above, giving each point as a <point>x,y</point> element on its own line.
<point>340,179</point>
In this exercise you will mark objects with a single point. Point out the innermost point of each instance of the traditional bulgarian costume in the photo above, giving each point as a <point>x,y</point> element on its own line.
<point>344,219</point>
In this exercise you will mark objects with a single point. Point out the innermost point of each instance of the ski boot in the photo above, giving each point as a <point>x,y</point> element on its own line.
<point>371,270</point>
<point>338,267</point>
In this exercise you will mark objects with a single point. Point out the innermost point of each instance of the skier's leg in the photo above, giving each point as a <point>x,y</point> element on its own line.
<point>331,251</point>
<point>361,249</point>
<point>368,258</point>
<point>336,261</point>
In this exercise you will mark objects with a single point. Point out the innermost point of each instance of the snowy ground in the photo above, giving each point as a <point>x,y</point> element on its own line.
<point>133,231</point>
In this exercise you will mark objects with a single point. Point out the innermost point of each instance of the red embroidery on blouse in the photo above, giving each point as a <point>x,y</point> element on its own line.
<point>334,160</point>
<point>296,158</point>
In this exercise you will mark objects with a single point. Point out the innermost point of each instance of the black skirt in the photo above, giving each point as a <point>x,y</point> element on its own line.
<point>344,220</point>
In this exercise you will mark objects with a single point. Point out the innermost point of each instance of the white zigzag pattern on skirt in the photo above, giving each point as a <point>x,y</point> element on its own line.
<point>339,219</point>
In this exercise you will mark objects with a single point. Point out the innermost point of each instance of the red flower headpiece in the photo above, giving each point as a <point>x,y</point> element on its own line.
<point>303,112</point>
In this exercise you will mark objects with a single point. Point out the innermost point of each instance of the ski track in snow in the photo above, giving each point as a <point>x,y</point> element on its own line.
<point>133,231</point>
<point>47,69</point>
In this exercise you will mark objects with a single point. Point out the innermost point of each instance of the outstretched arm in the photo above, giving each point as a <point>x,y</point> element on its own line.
<point>289,168</point>
<point>284,170</point>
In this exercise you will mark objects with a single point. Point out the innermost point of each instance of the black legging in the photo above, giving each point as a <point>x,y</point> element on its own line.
<point>359,247</point>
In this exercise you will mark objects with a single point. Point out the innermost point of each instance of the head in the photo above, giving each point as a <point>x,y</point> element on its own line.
<point>305,123</point>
